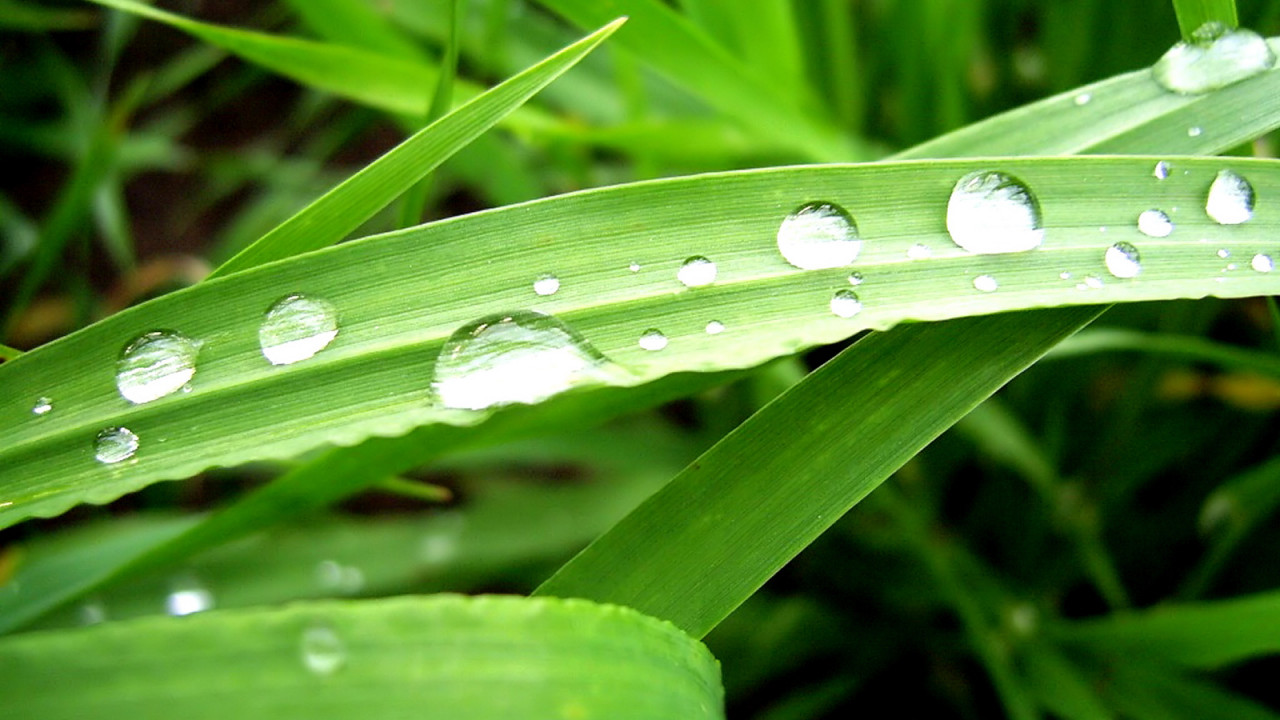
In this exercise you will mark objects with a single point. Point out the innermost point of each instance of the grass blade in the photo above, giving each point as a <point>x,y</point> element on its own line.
<point>1192,14</point>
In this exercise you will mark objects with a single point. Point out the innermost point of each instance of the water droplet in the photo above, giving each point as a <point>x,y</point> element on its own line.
<point>1215,58</point>
<point>334,577</point>
<point>323,652</point>
<point>1082,99</point>
<point>696,272</point>
<point>653,340</point>
<point>188,596</point>
<point>991,212</point>
<point>43,406</point>
<point>1123,260</point>
<point>297,327</point>
<point>1230,199</point>
<point>1161,171</point>
<point>1194,131</point>
<point>817,236</point>
<point>519,357</point>
<point>546,284</point>
<point>92,612</point>
<point>855,279</point>
<point>1223,253</point>
<point>715,327</point>
<point>1093,282</point>
<point>1064,275</point>
<point>155,364</point>
<point>1154,223</point>
<point>985,283</point>
<point>845,304</point>
<point>634,267</point>
<point>114,444</point>
<point>440,545</point>
<point>919,251</point>
<point>1262,263</point>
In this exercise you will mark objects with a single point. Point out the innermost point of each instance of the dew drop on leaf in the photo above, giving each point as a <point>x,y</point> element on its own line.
<point>43,406</point>
<point>336,578</point>
<point>819,235</point>
<point>855,279</point>
<point>188,596</point>
<point>1082,99</point>
<point>1216,57</point>
<point>114,444</point>
<point>323,652</point>
<point>546,284</point>
<point>715,327</point>
<point>1230,200</point>
<point>297,327</point>
<point>155,364</point>
<point>919,251</point>
<point>653,340</point>
<point>845,304</point>
<point>1123,261</point>
<point>991,213</point>
<point>517,357</point>
<point>1195,131</point>
<point>1154,223</point>
<point>985,283</point>
<point>1262,263</point>
<point>1161,171</point>
<point>696,272</point>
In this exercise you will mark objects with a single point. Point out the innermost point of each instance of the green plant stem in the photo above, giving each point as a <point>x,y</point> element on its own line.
<point>426,492</point>
<point>1194,13</point>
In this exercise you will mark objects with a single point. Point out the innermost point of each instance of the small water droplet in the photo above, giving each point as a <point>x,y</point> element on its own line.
<point>1194,131</point>
<point>546,284</point>
<point>991,212</point>
<point>817,236</point>
<point>1230,199</point>
<point>1223,253</point>
<point>334,577</point>
<point>297,327</point>
<point>43,406</point>
<point>1262,263</point>
<point>696,272</point>
<point>1154,223</point>
<point>1093,282</point>
<point>1215,58</point>
<point>1082,99</point>
<point>323,652</point>
<point>845,304</point>
<point>653,340</point>
<point>114,444</point>
<point>1161,171</point>
<point>155,364</point>
<point>1123,260</point>
<point>188,596</point>
<point>1064,275</point>
<point>1230,267</point>
<point>634,267</point>
<point>518,357</point>
<point>715,327</point>
<point>985,283</point>
<point>92,612</point>
<point>855,279</point>
<point>919,251</point>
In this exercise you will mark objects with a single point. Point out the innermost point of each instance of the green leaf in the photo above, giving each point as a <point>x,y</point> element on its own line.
<point>1151,692</point>
<point>436,657</point>
<point>347,206</point>
<point>1059,686</point>
<point>398,297</point>
<point>1192,14</point>
<point>1199,635</point>
<point>1191,348</point>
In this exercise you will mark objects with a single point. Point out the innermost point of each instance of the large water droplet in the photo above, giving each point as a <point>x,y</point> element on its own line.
<point>1262,263</point>
<point>1230,199</point>
<point>155,364</point>
<point>715,327</point>
<point>114,444</point>
<point>991,213</point>
<point>297,327</point>
<point>1215,58</point>
<point>518,357</point>
<point>653,340</point>
<point>547,284</point>
<point>1123,261</point>
<point>696,272</point>
<point>845,304</point>
<point>188,596</point>
<point>43,406</point>
<point>323,652</point>
<point>1154,223</point>
<point>819,235</point>
<point>985,283</point>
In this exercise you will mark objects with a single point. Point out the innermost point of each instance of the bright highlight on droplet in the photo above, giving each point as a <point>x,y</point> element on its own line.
<point>819,235</point>
<point>42,407</point>
<point>1082,99</point>
<point>991,213</point>
<point>188,597</point>
<point>155,364</point>
<point>114,444</point>
<point>653,340</point>
<point>715,327</point>
<point>517,357</point>
<point>696,272</point>
<point>634,267</point>
<point>1161,171</point>
<point>855,279</point>
<point>323,652</point>
<point>1154,223</point>
<point>1216,57</point>
<point>1230,200</point>
<point>845,304</point>
<point>1262,263</point>
<point>985,283</point>
<point>1123,261</point>
<point>546,285</point>
<point>297,327</point>
<point>1195,131</point>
